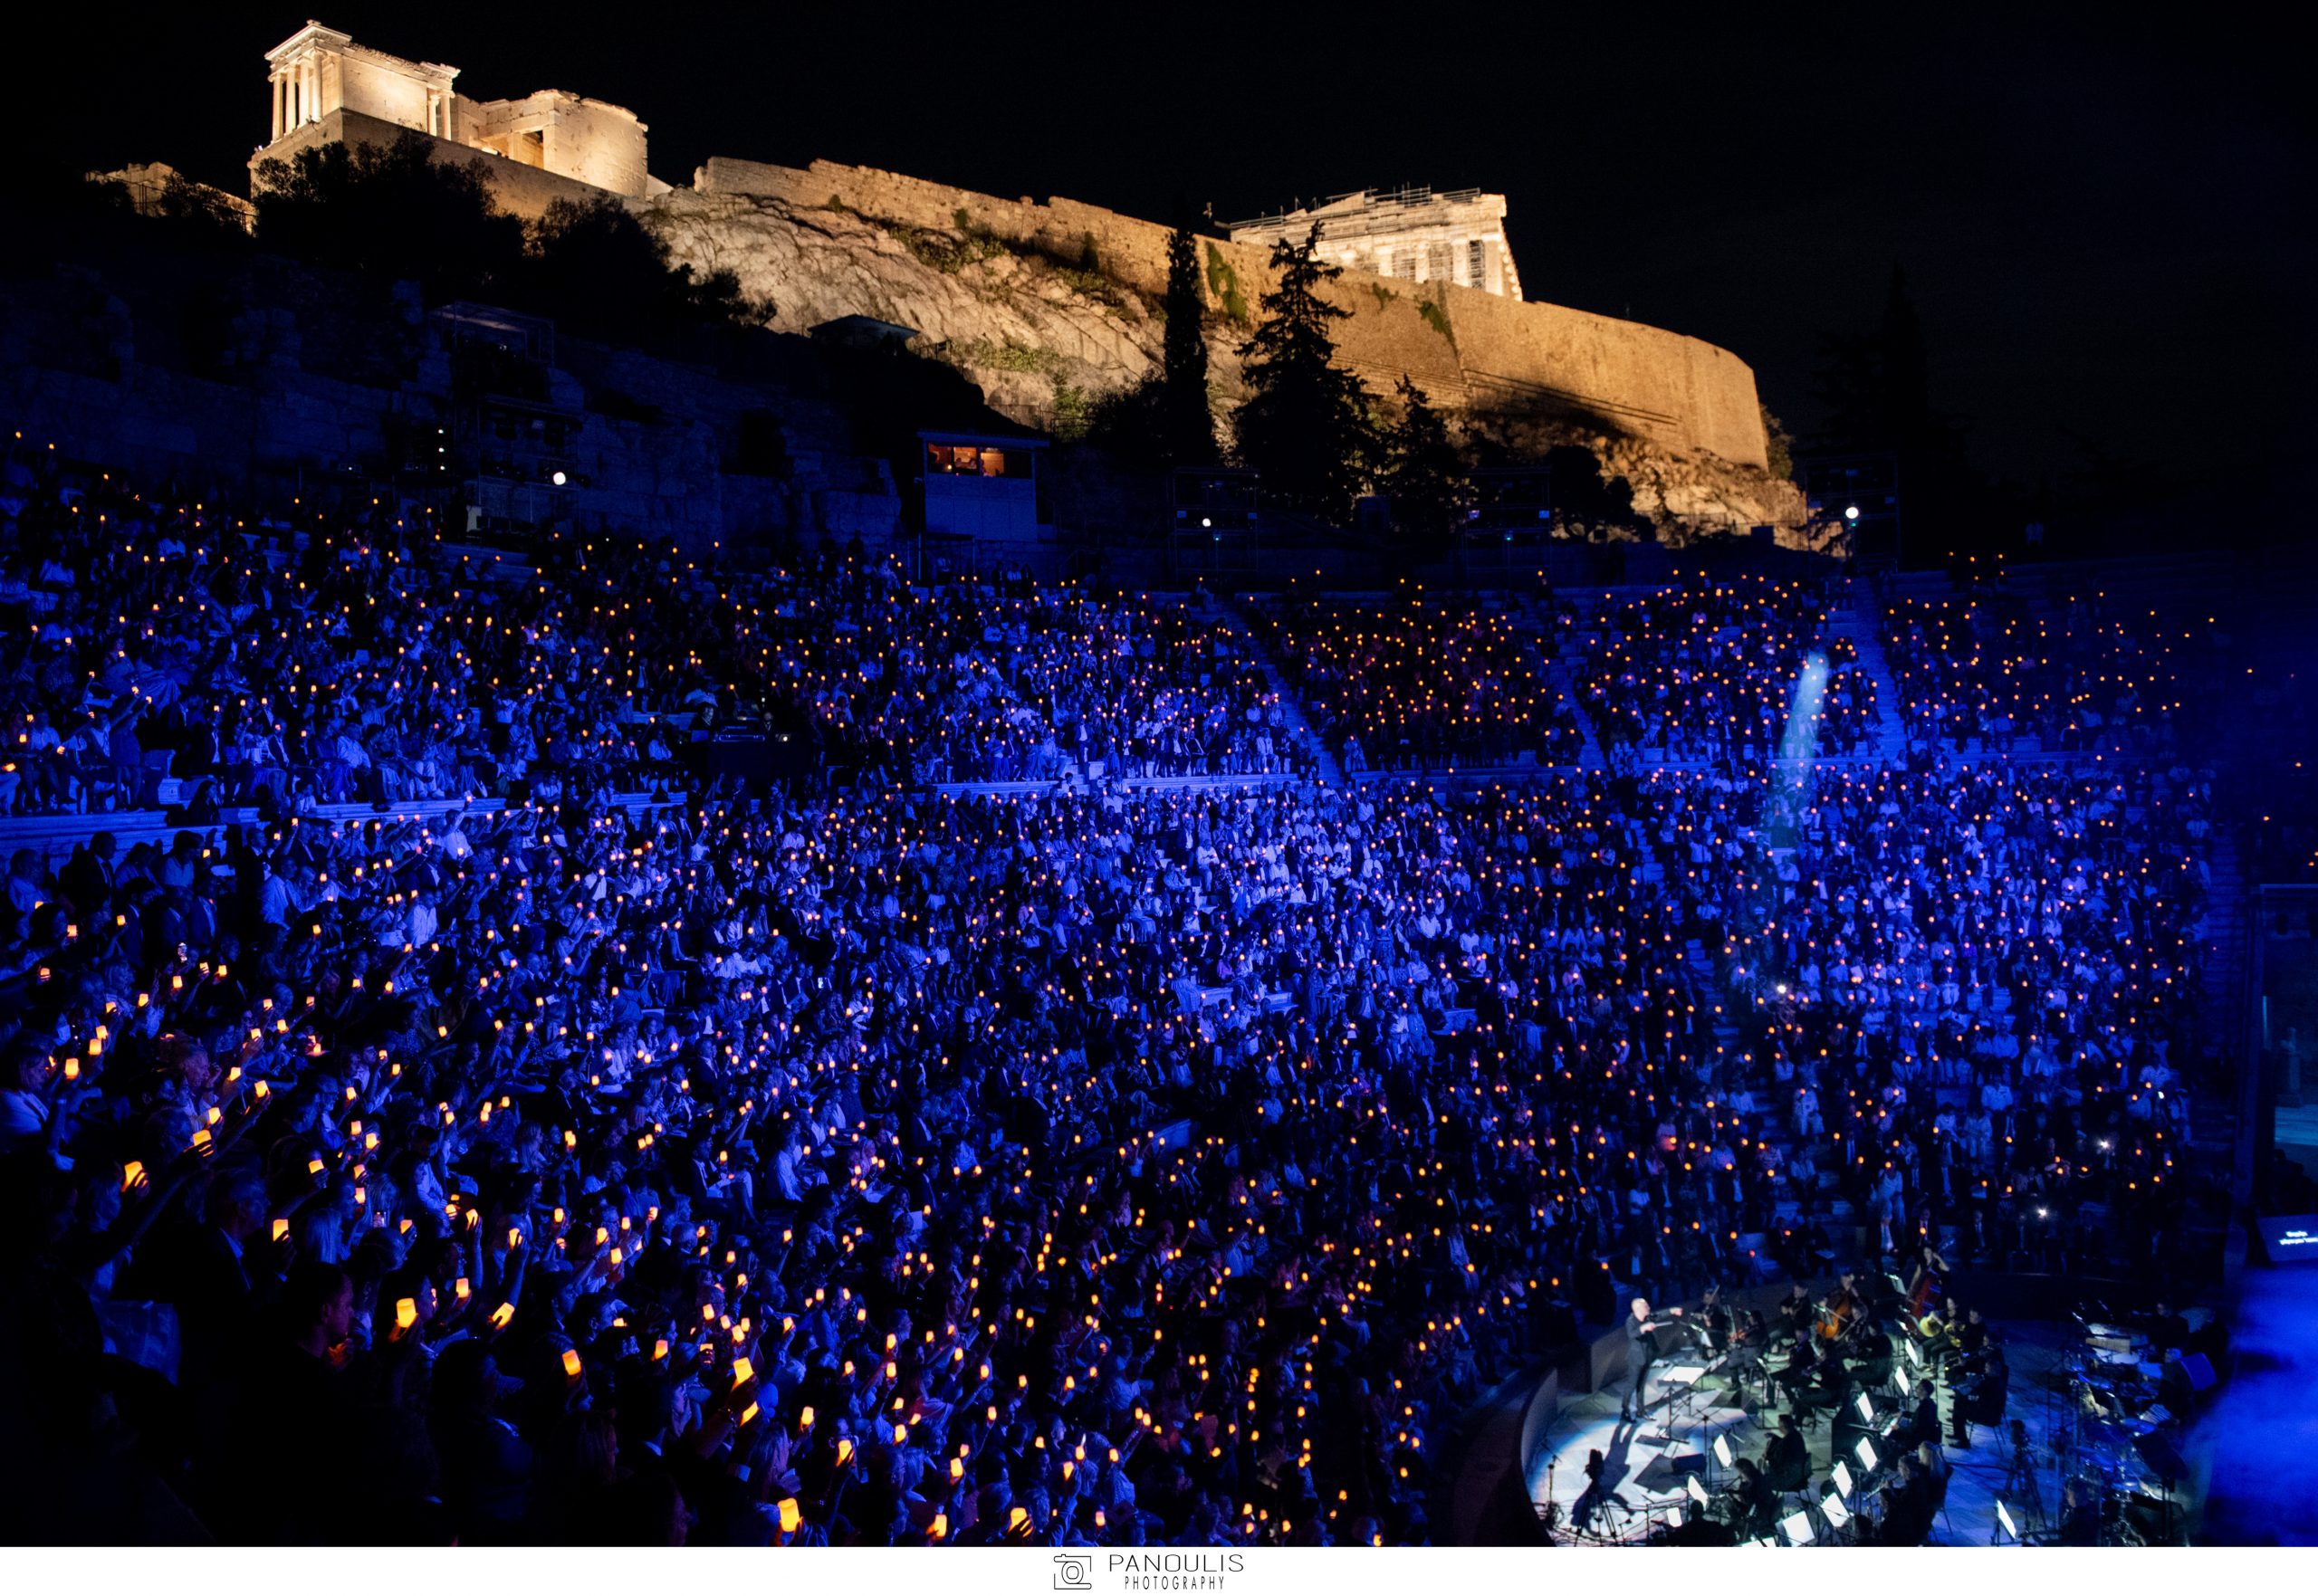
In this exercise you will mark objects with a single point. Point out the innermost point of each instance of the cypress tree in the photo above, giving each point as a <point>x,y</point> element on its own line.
<point>1423,475</point>
<point>1305,422</point>
<point>1187,425</point>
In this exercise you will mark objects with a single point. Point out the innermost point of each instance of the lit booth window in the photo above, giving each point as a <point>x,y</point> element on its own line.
<point>980,489</point>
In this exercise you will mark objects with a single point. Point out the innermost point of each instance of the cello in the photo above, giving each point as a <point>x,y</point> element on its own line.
<point>1842,1312</point>
<point>1931,1272</point>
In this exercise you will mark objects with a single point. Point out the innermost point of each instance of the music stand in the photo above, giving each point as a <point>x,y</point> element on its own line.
<point>1865,1453</point>
<point>1797,1527</point>
<point>1720,1453</point>
<point>2006,1533</point>
<point>1682,1389</point>
<point>1841,1474</point>
<point>1832,1508</point>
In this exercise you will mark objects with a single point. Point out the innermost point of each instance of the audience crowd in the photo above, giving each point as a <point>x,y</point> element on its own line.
<point>599,1153</point>
<point>1985,668</point>
<point>305,659</point>
<point>1422,684</point>
<point>1706,671</point>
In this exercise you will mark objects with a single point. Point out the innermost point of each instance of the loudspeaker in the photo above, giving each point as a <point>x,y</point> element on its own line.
<point>2198,1370</point>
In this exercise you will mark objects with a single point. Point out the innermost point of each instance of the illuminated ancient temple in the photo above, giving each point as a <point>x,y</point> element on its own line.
<point>1418,235</point>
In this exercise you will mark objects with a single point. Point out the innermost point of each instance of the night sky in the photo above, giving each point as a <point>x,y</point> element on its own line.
<point>2105,221</point>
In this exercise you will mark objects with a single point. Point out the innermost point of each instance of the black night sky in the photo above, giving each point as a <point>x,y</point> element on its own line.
<point>2104,219</point>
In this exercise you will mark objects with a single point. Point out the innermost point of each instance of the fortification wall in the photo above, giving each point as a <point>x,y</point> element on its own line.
<point>1468,349</point>
<point>526,191</point>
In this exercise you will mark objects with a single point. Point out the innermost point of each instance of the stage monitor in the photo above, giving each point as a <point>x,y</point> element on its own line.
<point>2289,1238</point>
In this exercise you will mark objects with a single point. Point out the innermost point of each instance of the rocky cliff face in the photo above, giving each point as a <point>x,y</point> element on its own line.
<point>1043,336</point>
<point>1685,493</point>
<point>1045,330</point>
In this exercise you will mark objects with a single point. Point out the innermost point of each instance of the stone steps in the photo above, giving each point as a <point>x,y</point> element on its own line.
<point>1563,679</point>
<point>1331,771</point>
<point>1860,622</point>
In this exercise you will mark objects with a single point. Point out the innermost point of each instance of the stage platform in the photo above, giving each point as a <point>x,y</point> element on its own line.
<point>1645,1469</point>
<point>2262,1430</point>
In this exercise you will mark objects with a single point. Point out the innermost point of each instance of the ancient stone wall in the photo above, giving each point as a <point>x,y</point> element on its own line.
<point>525,190</point>
<point>567,135</point>
<point>1468,349</point>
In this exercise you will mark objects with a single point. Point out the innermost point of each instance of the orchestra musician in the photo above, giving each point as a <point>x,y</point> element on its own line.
<point>1972,1334</point>
<point>1715,1324</point>
<point>2081,1516</point>
<point>1922,1426</point>
<point>2167,1330</point>
<point>1844,1309</point>
<point>1786,1464</point>
<point>1748,1342</point>
<point>1981,1387</point>
<point>1802,1379</point>
<point>1927,1287</point>
<point>1753,1504</point>
<point>1795,1310</point>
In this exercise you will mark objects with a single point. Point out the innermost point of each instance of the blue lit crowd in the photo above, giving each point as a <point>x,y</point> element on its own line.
<point>462,1119</point>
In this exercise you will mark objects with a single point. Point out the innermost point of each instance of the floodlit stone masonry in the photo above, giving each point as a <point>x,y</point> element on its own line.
<point>320,79</point>
<point>1416,234</point>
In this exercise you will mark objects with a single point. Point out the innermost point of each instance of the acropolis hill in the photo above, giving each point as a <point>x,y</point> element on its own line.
<point>997,287</point>
<point>1048,304</point>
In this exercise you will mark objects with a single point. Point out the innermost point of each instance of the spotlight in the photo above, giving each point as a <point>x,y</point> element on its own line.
<point>557,479</point>
<point>1851,512</point>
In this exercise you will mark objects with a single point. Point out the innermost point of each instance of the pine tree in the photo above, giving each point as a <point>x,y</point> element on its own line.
<point>1188,425</point>
<point>1305,422</point>
<point>1423,474</point>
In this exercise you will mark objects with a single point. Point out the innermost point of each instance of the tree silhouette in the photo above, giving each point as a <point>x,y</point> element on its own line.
<point>393,211</point>
<point>390,211</point>
<point>1189,425</point>
<point>1584,498</point>
<point>1421,473</point>
<point>1875,390</point>
<point>598,270</point>
<point>1305,422</point>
